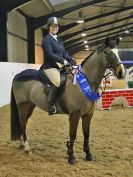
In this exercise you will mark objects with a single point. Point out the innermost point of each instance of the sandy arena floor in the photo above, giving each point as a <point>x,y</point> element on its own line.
<point>111,146</point>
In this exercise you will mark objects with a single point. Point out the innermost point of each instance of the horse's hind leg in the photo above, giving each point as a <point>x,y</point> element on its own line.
<point>73,120</point>
<point>25,110</point>
<point>86,119</point>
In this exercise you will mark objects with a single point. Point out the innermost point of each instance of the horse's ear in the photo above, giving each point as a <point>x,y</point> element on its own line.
<point>112,43</point>
<point>107,42</point>
<point>117,41</point>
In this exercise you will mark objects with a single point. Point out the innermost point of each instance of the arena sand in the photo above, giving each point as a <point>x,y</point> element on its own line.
<point>111,143</point>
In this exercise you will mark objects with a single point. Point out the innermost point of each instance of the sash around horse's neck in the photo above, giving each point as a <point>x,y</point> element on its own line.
<point>94,68</point>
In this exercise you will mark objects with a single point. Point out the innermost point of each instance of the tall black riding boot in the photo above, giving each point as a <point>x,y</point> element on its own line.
<point>51,99</point>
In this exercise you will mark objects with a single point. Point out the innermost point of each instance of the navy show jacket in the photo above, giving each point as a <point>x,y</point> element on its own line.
<point>54,51</point>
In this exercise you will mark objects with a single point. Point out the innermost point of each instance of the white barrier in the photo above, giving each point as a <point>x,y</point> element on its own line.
<point>7,72</point>
<point>129,74</point>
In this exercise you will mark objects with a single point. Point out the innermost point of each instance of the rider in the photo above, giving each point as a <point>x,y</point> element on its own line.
<point>54,52</point>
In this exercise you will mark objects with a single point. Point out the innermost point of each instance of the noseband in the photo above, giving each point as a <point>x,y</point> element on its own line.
<point>113,66</point>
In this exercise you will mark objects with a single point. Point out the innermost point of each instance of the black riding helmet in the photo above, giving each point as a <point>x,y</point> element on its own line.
<point>53,20</point>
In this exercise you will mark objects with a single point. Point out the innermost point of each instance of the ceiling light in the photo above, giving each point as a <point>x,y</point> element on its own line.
<point>120,38</point>
<point>85,42</point>
<point>80,21</point>
<point>86,46</point>
<point>83,34</point>
<point>127,31</point>
<point>80,18</point>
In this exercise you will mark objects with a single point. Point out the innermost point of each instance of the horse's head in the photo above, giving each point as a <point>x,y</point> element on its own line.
<point>113,59</point>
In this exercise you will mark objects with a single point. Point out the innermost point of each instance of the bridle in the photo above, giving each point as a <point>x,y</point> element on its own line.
<point>105,77</point>
<point>111,66</point>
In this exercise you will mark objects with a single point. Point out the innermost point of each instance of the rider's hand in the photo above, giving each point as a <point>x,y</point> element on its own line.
<point>66,63</point>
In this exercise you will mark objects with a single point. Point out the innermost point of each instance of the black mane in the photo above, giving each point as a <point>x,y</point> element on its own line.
<point>99,50</point>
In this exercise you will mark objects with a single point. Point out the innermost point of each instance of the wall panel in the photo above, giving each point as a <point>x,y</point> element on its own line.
<point>17,49</point>
<point>17,38</point>
<point>38,47</point>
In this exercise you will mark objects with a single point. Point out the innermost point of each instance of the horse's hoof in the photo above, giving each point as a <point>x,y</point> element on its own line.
<point>89,157</point>
<point>72,160</point>
<point>28,152</point>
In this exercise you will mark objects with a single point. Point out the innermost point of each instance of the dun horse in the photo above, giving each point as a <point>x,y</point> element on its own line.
<point>26,95</point>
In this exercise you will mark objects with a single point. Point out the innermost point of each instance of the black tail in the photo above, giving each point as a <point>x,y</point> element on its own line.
<point>15,126</point>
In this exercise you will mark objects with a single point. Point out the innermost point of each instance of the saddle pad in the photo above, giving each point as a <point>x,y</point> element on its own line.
<point>32,74</point>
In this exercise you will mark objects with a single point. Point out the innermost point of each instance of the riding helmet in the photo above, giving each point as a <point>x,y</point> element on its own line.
<point>53,20</point>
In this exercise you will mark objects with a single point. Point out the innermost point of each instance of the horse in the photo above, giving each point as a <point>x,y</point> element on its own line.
<point>26,95</point>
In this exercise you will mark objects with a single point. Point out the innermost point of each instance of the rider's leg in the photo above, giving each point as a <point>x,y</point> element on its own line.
<point>51,99</point>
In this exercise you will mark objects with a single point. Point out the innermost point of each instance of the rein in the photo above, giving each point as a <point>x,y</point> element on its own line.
<point>104,77</point>
<point>108,74</point>
<point>79,70</point>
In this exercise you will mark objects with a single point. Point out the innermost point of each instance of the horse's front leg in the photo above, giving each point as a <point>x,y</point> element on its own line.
<point>86,119</point>
<point>73,120</point>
